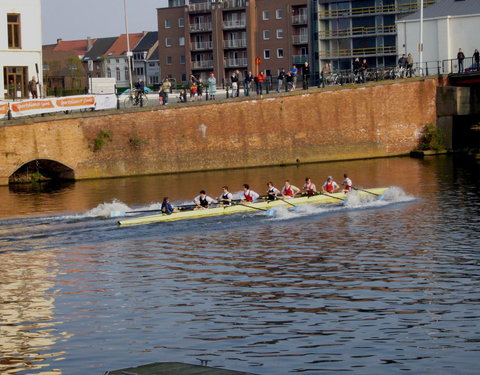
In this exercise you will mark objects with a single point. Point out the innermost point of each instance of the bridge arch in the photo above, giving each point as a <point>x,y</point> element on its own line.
<point>41,170</point>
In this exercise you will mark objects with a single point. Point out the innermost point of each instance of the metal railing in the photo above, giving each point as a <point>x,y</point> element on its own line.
<point>196,27</point>
<point>454,66</point>
<point>199,46</point>
<point>300,19</point>
<point>234,24</point>
<point>200,7</point>
<point>358,52</point>
<point>300,39</point>
<point>205,64</point>
<point>372,10</point>
<point>357,31</point>
<point>233,63</point>
<point>235,43</point>
<point>229,4</point>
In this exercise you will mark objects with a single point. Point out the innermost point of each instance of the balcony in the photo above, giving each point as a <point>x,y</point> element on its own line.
<point>200,27</point>
<point>300,39</point>
<point>234,4</point>
<point>236,63</point>
<point>200,8</point>
<point>235,43</point>
<point>357,32</point>
<point>374,10</point>
<point>202,46</point>
<point>206,64</point>
<point>299,19</point>
<point>300,59</point>
<point>237,24</point>
<point>358,52</point>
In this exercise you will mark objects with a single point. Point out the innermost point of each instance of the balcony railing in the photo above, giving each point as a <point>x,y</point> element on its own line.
<point>201,7</point>
<point>198,46</point>
<point>236,63</point>
<point>235,43</point>
<point>199,27</point>
<point>300,59</point>
<point>357,31</point>
<point>237,24</point>
<point>229,4</point>
<point>300,39</point>
<point>381,9</point>
<point>300,19</point>
<point>358,52</point>
<point>206,64</point>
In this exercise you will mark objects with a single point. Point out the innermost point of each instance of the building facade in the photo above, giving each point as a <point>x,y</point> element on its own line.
<point>348,29</point>
<point>205,36</point>
<point>20,47</point>
<point>145,59</point>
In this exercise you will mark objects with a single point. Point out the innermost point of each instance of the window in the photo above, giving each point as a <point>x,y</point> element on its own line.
<point>118,74</point>
<point>182,59</point>
<point>181,22</point>
<point>266,34</point>
<point>266,54</point>
<point>266,15</point>
<point>168,24</point>
<point>184,77</point>
<point>13,25</point>
<point>168,42</point>
<point>280,53</point>
<point>279,33</point>
<point>169,60</point>
<point>118,61</point>
<point>181,41</point>
<point>127,75</point>
<point>279,14</point>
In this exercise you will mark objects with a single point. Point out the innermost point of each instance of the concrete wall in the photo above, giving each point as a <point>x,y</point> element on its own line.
<point>372,121</point>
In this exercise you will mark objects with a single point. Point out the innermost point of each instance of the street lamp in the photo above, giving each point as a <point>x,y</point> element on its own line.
<point>129,53</point>
<point>421,37</point>
<point>145,53</point>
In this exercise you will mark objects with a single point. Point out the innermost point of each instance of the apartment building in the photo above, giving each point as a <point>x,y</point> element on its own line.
<point>20,46</point>
<point>360,28</point>
<point>204,36</point>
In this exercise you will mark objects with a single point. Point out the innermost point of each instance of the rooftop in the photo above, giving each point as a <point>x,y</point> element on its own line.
<point>444,8</point>
<point>100,47</point>
<point>119,47</point>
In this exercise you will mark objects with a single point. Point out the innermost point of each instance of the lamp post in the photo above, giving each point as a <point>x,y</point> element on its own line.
<point>129,53</point>
<point>420,47</point>
<point>145,53</point>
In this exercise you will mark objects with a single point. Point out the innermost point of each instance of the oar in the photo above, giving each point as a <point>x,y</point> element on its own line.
<point>246,205</point>
<point>287,202</point>
<point>332,196</point>
<point>379,196</point>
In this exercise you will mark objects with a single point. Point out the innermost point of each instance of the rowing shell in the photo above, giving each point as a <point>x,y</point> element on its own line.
<point>235,209</point>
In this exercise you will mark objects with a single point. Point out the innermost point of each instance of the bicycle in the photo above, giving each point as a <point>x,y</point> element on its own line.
<point>134,100</point>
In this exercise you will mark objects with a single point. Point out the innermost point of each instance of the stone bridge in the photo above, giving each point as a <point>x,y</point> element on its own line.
<point>372,120</point>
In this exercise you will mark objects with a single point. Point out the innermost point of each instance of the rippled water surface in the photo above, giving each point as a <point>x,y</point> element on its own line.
<point>371,287</point>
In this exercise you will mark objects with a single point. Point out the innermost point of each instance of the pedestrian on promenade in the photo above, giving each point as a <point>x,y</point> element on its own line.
<point>239,77</point>
<point>212,86</point>
<point>11,90</point>
<point>165,90</point>
<point>363,70</point>
<point>260,79</point>
<point>357,66</point>
<point>294,73</point>
<point>32,87</point>
<point>409,65</point>
<point>290,85</point>
<point>476,58</point>
<point>305,75</point>
<point>402,64</point>
<point>234,82</point>
<point>200,86</point>
<point>326,71</point>
<point>280,80</point>
<point>247,83</point>
<point>460,58</point>
<point>193,91</point>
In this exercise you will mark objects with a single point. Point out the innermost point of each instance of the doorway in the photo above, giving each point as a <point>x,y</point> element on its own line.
<point>15,80</point>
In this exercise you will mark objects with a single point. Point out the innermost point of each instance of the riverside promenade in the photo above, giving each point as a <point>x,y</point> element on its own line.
<point>376,119</point>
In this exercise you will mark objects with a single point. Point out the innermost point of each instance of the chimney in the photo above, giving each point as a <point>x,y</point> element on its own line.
<point>59,40</point>
<point>89,43</point>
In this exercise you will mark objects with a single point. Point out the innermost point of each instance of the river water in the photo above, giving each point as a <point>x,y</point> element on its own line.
<point>370,287</point>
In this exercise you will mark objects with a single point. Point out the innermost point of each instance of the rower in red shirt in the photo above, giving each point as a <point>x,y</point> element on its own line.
<point>249,195</point>
<point>309,188</point>
<point>347,183</point>
<point>289,191</point>
<point>330,186</point>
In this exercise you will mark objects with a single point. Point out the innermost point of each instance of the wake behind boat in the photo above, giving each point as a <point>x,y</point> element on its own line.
<point>265,206</point>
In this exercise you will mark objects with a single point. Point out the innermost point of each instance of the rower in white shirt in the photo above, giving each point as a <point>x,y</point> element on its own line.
<point>203,200</point>
<point>225,199</point>
<point>347,183</point>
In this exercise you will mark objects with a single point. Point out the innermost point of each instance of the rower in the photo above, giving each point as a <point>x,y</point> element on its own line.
<point>249,195</point>
<point>272,192</point>
<point>167,207</point>
<point>347,183</point>
<point>330,186</point>
<point>225,199</point>
<point>309,188</point>
<point>203,200</point>
<point>289,191</point>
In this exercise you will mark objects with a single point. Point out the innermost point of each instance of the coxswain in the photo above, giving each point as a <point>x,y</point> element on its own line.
<point>225,199</point>
<point>167,207</point>
<point>272,192</point>
<point>249,195</point>
<point>203,200</point>
<point>309,188</point>
<point>347,183</point>
<point>289,191</point>
<point>330,186</point>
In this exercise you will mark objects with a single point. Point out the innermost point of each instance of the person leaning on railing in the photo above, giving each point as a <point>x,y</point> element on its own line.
<point>409,65</point>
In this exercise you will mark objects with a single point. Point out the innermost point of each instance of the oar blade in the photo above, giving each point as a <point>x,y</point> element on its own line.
<point>117,213</point>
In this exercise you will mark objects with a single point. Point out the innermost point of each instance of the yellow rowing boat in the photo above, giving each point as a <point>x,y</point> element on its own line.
<point>265,206</point>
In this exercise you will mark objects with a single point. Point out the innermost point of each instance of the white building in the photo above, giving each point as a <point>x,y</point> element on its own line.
<point>448,25</point>
<point>20,46</point>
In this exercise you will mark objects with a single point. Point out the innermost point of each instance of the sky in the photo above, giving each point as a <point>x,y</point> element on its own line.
<point>71,19</point>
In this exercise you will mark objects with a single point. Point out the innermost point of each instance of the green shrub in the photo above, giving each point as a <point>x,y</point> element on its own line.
<point>432,139</point>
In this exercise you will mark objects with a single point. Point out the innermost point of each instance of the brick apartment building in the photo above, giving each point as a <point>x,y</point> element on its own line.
<point>204,36</point>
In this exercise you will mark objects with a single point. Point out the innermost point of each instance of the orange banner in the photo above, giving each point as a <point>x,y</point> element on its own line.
<point>76,101</point>
<point>3,109</point>
<point>31,105</point>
